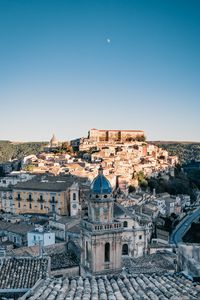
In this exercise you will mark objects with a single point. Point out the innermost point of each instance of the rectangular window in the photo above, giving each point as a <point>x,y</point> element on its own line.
<point>41,206</point>
<point>140,237</point>
<point>18,204</point>
<point>18,196</point>
<point>30,205</point>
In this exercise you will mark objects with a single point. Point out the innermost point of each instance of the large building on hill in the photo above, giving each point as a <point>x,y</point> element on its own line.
<point>99,135</point>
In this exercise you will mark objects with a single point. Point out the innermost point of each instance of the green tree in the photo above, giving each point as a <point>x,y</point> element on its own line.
<point>28,168</point>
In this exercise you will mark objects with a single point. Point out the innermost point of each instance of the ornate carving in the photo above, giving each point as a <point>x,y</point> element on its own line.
<point>126,239</point>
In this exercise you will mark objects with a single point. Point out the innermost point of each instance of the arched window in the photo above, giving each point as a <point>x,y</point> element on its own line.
<point>125,224</point>
<point>107,252</point>
<point>125,249</point>
<point>74,196</point>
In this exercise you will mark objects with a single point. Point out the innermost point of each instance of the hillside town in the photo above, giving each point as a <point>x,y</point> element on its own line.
<point>78,221</point>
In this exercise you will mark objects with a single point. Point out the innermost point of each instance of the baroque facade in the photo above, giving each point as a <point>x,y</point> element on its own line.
<point>110,231</point>
<point>101,236</point>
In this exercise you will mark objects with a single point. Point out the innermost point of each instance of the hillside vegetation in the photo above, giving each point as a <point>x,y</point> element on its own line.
<point>9,150</point>
<point>186,152</point>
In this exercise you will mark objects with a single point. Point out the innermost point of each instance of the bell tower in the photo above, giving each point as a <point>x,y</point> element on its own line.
<point>101,235</point>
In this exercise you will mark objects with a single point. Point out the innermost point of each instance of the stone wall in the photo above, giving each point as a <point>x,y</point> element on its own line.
<point>189,259</point>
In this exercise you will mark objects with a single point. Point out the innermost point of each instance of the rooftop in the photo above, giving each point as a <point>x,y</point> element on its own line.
<point>149,264</point>
<point>63,260</point>
<point>60,257</point>
<point>116,130</point>
<point>22,273</point>
<point>113,287</point>
<point>48,183</point>
<point>21,228</point>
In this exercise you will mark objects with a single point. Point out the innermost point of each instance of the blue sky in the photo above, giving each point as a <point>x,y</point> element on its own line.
<point>58,72</point>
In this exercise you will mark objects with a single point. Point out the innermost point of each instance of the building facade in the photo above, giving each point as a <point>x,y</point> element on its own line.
<point>40,201</point>
<point>43,197</point>
<point>136,232</point>
<point>97,135</point>
<point>40,237</point>
<point>75,206</point>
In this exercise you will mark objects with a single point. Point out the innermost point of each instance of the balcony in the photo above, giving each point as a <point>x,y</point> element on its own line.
<point>29,199</point>
<point>102,227</point>
<point>40,200</point>
<point>18,198</point>
<point>53,201</point>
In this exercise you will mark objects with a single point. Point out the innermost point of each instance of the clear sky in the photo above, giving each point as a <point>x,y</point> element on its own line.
<point>67,66</point>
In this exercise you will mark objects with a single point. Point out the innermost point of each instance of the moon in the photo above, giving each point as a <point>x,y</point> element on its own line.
<point>108,40</point>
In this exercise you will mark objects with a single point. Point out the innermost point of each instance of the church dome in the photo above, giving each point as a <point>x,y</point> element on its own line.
<point>53,141</point>
<point>100,184</point>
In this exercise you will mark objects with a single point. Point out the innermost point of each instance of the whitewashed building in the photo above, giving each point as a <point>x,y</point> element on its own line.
<point>40,237</point>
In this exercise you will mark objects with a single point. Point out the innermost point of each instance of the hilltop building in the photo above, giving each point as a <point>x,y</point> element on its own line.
<point>53,144</point>
<point>99,135</point>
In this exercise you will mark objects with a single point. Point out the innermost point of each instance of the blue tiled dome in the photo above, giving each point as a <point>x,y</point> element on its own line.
<point>100,184</point>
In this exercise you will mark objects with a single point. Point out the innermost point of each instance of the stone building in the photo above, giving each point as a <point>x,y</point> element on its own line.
<point>97,135</point>
<point>45,195</point>
<point>101,235</point>
<point>15,233</point>
<point>53,144</point>
<point>6,199</point>
<point>40,236</point>
<point>110,231</point>
<point>136,233</point>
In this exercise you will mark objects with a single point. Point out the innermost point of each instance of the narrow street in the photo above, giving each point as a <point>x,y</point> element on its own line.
<point>183,226</point>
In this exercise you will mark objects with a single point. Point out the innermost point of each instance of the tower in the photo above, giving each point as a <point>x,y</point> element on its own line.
<point>101,235</point>
<point>74,200</point>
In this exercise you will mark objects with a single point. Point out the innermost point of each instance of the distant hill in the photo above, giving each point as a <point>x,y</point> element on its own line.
<point>186,151</point>
<point>17,150</point>
<point>173,142</point>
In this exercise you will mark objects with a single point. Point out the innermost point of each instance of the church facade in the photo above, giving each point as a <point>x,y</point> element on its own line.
<point>109,231</point>
<point>101,234</point>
